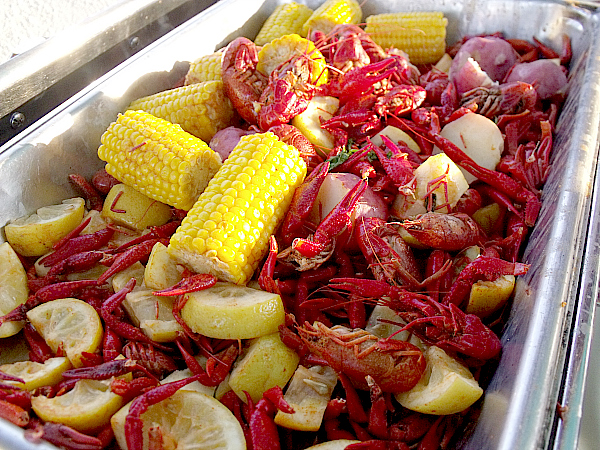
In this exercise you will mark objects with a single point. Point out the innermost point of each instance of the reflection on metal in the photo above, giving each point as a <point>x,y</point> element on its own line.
<point>41,78</point>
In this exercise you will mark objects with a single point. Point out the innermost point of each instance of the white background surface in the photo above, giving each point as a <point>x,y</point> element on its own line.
<point>25,23</point>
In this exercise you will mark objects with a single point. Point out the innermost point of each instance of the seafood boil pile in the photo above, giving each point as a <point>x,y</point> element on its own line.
<point>311,242</point>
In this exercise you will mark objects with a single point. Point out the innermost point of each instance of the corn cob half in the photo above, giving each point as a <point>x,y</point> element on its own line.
<point>286,19</point>
<point>227,231</point>
<point>205,68</point>
<point>158,158</point>
<point>332,13</point>
<point>201,109</point>
<point>422,35</point>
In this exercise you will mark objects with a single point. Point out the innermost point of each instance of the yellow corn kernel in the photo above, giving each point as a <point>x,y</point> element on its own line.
<point>422,35</point>
<point>206,68</point>
<point>332,13</point>
<point>201,109</point>
<point>227,231</point>
<point>282,49</point>
<point>286,19</point>
<point>157,158</point>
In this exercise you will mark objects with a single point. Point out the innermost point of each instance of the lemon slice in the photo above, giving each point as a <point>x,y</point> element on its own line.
<point>68,323</point>
<point>153,314</point>
<point>13,287</point>
<point>36,374</point>
<point>338,444</point>
<point>195,386</point>
<point>229,311</point>
<point>35,234</point>
<point>446,387</point>
<point>187,420</point>
<point>284,48</point>
<point>319,109</point>
<point>86,408</point>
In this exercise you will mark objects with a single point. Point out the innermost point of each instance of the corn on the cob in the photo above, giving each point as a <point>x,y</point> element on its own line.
<point>206,68</point>
<point>227,231</point>
<point>201,109</point>
<point>286,19</point>
<point>284,48</point>
<point>422,35</point>
<point>158,158</point>
<point>332,13</point>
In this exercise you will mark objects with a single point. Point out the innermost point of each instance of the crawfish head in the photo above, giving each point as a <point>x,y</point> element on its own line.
<point>389,257</point>
<point>396,366</point>
<point>242,83</point>
<point>288,92</point>
<point>508,98</point>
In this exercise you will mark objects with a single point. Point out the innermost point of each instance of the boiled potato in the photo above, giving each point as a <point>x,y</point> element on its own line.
<point>435,167</point>
<point>267,362</point>
<point>446,387</point>
<point>129,208</point>
<point>396,134</point>
<point>478,137</point>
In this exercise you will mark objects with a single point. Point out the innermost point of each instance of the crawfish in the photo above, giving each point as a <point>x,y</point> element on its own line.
<point>436,324</point>
<point>389,257</point>
<point>449,232</point>
<point>395,366</point>
<point>508,98</point>
<point>261,100</point>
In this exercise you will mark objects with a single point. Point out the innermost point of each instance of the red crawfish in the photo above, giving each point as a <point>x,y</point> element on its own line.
<point>302,203</point>
<point>262,430</point>
<point>333,225</point>
<point>436,324</point>
<point>395,366</point>
<point>260,100</point>
<point>450,232</point>
<point>64,436</point>
<point>507,98</point>
<point>83,243</point>
<point>501,181</point>
<point>483,267</point>
<point>133,423</point>
<point>389,257</point>
<point>152,359</point>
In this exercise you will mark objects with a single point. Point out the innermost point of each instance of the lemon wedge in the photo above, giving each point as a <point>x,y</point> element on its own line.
<point>187,420</point>
<point>68,323</point>
<point>35,234</point>
<point>446,387</point>
<point>153,314</point>
<point>13,287</point>
<point>229,311</point>
<point>36,374</point>
<point>87,407</point>
<point>488,297</point>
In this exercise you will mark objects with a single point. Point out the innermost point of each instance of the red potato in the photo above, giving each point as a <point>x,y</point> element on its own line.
<point>492,55</point>
<point>224,141</point>
<point>546,75</point>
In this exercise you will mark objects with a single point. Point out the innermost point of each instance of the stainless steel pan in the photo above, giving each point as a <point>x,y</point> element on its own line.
<point>548,325</point>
